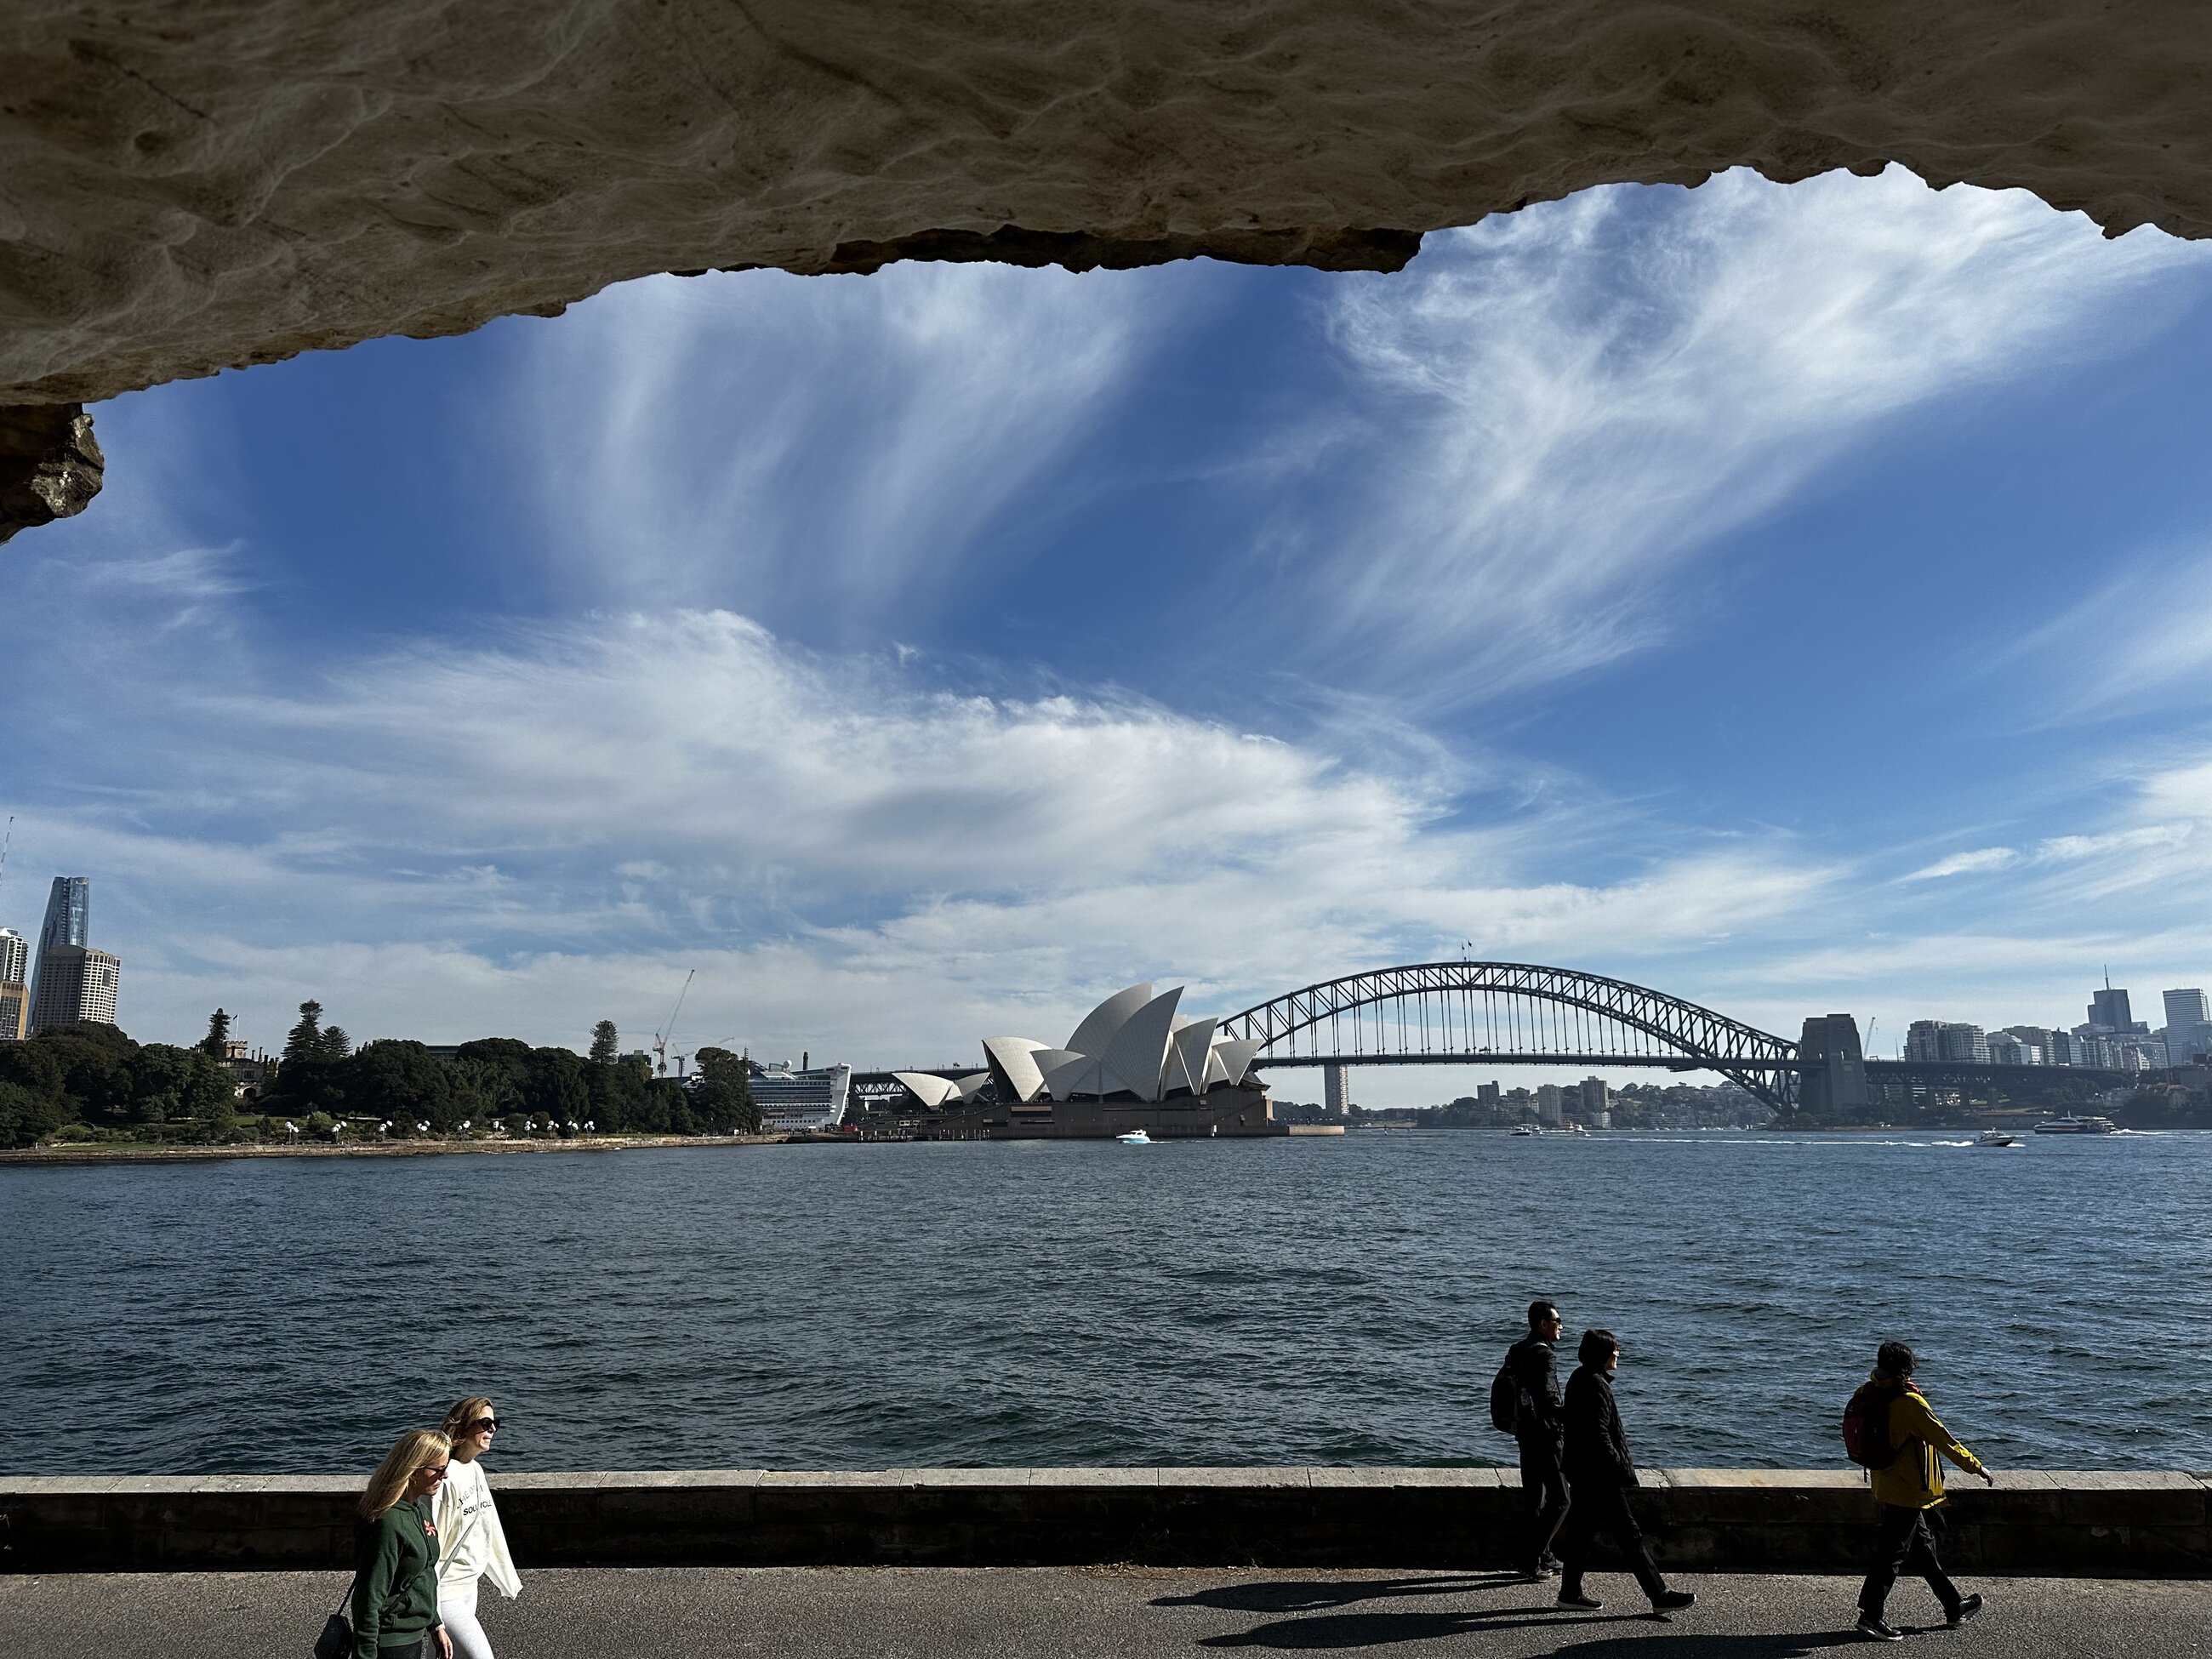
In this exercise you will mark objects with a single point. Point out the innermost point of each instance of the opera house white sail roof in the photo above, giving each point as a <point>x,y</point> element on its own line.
<point>1133,1043</point>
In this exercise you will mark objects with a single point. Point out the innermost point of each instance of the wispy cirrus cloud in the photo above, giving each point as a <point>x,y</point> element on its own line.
<point>1977,862</point>
<point>841,444</point>
<point>2152,626</point>
<point>1560,409</point>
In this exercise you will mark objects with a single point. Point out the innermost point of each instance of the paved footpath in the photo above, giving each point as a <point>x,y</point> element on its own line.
<point>1126,1613</point>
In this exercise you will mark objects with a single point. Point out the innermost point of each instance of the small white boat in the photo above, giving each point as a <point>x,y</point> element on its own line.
<point>1523,1129</point>
<point>1134,1138</point>
<point>1997,1138</point>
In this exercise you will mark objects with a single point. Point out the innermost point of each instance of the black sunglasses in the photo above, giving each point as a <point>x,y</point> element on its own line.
<point>481,1424</point>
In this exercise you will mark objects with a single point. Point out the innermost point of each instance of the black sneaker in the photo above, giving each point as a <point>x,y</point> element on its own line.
<point>1874,1630</point>
<point>1673,1601</point>
<point>1540,1573</point>
<point>1965,1612</point>
<point>1581,1601</point>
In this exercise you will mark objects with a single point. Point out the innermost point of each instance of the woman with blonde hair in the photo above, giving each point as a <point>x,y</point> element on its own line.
<point>472,1545</point>
<point>395,1586</point>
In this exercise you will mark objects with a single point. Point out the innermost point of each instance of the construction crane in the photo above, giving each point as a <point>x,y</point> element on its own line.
<point>661,1038</point>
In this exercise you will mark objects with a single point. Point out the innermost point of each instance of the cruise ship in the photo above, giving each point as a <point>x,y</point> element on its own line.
<point>796,1097</point>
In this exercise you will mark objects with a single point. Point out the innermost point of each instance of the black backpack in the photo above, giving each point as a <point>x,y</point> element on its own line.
<point>1505,1398</point>
<point>1866,1427</point>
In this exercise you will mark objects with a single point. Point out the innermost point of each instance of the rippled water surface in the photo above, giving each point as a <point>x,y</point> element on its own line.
<point>1309,1301</point>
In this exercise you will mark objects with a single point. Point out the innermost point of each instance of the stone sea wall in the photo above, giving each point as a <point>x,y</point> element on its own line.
<point>2099,1524</point>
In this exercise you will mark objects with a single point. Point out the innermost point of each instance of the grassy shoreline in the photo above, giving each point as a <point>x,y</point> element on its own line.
<point>126,1152</point>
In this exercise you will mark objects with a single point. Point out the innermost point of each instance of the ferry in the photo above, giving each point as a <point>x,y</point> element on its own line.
<point>1134,1138</point>
<point>2077,1125</point>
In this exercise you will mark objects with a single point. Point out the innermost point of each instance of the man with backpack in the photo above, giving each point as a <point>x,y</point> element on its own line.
<point>1525,1402</point>
<point>1890,1431</point>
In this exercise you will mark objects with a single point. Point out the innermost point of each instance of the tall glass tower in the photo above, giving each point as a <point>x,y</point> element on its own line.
<point>68,922</point>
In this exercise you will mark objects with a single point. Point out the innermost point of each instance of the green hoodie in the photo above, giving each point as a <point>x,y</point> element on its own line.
<point>395,1593</point>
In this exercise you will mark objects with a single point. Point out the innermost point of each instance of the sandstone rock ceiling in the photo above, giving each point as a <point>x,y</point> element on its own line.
<point>188,186</point>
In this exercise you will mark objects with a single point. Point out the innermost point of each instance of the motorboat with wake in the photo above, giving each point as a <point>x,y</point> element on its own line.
<point>1996,1138</point>
<point>1134,1138</point>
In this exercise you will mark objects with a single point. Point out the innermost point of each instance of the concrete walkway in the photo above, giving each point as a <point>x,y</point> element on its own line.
<point>814,1613</point>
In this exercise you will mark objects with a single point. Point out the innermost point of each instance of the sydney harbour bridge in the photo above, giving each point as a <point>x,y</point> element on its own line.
<point>1454,1014</point>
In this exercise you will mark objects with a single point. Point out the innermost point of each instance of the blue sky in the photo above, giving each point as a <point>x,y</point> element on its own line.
<point>1798,599</point>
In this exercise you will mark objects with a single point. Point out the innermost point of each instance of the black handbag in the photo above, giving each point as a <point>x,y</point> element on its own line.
<point>336,1640</point>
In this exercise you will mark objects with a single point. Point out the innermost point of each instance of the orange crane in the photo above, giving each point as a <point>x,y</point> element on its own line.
<point>661,1038</point>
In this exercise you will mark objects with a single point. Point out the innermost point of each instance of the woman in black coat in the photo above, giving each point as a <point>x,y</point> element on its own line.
<point>1600,1472</point>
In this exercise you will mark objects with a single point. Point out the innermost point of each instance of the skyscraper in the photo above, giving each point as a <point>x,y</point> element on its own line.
<point>68,922</point>
<point>76,987</point>
<point>2188,1026</point>
<point>15,993</point>
<point>2108,1011</point>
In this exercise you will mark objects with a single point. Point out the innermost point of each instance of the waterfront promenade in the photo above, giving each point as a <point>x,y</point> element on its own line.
<point>1114,1613</point>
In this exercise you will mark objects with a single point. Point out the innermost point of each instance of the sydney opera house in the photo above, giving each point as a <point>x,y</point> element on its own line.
<point>1133,1062</point>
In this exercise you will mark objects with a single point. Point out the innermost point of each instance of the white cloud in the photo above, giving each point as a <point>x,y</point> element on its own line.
<point>453,840</point>
<point>1566,405</point>
<point>1977,862</point>
<point>2142,643</point>
<point>838,446</point>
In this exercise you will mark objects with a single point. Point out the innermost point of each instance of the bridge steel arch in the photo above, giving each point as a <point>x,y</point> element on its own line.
<point>1445,1013</point>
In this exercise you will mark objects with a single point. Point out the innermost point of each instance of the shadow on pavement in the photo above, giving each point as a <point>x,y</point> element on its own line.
<point>1689,1644</point>
<point>1378,1629</point>
<point>1292,1596</point>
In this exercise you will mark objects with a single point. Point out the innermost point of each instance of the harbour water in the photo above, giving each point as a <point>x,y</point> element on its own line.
<point>1305,1300</point>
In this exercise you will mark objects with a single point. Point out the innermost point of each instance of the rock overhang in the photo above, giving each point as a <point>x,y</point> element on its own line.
<point>188,190</point>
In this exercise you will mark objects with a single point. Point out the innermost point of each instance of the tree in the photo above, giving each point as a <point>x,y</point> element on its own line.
<point>484,1090</point>
<point>722,1098</point>
<point>336,1044</point>
<point>556,1088</point>
<point>400,1081</point>
<point>617,1094</point>
<point>605,1043</point>
<point>304,1040</point>
<point>216,1043</point>
<point>26,1117</point>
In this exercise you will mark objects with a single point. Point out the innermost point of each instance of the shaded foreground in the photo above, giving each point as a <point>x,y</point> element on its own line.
<point>2088,1524</point>
<point>828,1613</point>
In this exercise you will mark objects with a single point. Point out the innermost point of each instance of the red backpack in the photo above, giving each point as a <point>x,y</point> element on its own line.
<point>1866,1426</point>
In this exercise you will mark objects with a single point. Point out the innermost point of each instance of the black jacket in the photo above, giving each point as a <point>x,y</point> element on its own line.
<point>1597,1451</point>
<point>1539,1376</point>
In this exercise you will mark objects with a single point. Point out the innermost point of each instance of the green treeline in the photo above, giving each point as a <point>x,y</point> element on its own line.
<point>95,1075</point>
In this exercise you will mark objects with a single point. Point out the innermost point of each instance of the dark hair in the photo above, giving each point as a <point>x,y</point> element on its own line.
<point>1596,1347</point>
<point>1893,1359</point>
<point>1540,1311</point>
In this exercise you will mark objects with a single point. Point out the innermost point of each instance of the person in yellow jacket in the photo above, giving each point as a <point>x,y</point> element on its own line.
<point>1905,1491</point>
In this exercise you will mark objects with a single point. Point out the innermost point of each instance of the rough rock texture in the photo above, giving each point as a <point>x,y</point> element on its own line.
<point>188,186</point>
<point>50,467</point>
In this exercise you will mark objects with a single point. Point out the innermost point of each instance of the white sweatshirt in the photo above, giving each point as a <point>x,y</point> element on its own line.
<point>472,1543</point>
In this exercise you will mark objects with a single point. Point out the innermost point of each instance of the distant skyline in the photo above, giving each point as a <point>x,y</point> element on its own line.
<point>1796,598</point>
